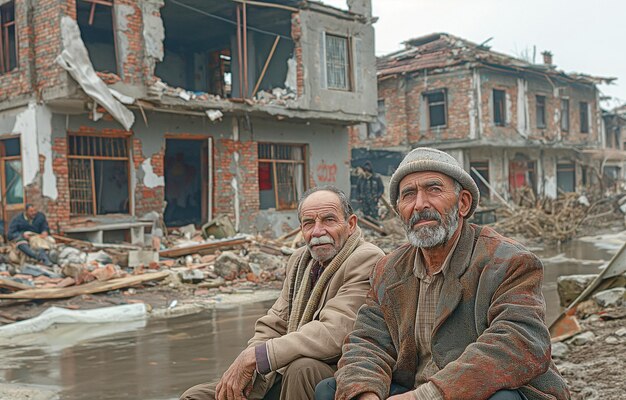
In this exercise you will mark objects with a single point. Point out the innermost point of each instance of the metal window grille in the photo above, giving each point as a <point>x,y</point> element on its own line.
<point>337,62</point>
<point>8,38</point>
<point>83,154</point>
<point>287,175</point>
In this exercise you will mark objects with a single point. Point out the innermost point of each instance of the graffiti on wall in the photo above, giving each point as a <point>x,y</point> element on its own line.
<point>326,173</point>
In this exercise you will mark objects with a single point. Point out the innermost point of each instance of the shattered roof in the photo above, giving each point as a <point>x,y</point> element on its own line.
<point>442,50</point>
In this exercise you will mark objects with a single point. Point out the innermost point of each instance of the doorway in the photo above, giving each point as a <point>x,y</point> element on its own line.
<point>188,181</point>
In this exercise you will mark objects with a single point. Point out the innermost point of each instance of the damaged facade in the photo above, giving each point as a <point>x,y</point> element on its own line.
<point>111,109</point>
<point>514,123</point>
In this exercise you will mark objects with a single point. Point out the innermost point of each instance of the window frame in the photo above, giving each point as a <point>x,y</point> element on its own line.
<point>540,105</point>
<point>429,105</point>
<point>272,161</point>
<point>92,159</point>
<point>565,115</point>
<point>348,68</point>
<point>5,57</point>
<point>502,101</point>
<point>583,116</point>
<point>107,3</point>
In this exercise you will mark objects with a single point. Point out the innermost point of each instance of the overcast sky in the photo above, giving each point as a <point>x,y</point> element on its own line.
<point>585,36</point>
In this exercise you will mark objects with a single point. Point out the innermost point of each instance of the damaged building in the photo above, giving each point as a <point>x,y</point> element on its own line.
<point>113,109</point>
<point>512,123</point>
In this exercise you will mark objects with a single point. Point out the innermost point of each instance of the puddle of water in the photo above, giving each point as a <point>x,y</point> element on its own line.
<point>165,357</point>
<point>159,361</point>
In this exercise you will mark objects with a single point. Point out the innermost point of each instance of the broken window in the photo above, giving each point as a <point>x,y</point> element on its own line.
<point>98,174</point>
<point>565,115</point>
<point>584,117</point>
<point>377,128</point>
<point>566,177</point>
<point>337,62</point>
<point>540,110</point>
<point>95,20</point>
<point>499,107</point>
<point>482,168</point>
<point>225,48</point>
<point>282,175</point>
<point>8,38</point>
<point>437,108</point>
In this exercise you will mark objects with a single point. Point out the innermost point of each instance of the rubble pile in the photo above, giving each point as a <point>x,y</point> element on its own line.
<point>592,361</point>
<point>189,261</point>
<point>556,220</point>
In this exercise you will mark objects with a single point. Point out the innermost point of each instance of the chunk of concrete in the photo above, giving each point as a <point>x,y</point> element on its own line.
<point>610,298</point>
<point>142,257</point>
<point>192,276</point>
<point>559,350</point>
<point>229,265</point>
<point>583,338</point>
<point>266,261</point>
<point>621,332</point>
<point>611,340</point>
<point>569,287</point>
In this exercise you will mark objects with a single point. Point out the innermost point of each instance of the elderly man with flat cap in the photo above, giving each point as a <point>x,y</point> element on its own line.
<point>457,313</point>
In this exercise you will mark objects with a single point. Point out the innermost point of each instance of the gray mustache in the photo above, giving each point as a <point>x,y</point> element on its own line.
<point>321,240</point>
<point>425,215</point>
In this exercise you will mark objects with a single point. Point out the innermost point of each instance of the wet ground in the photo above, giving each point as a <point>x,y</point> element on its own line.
<point>161,358</point>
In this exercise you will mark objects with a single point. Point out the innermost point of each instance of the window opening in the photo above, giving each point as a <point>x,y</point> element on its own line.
<point>540,111</point>
<point>437,108</point>
<point>282,175</point>
<point>11,182</point>
<point>337,62</point>
<point>98,174</point>
<point>566,177</point>
<point>8,38</point>
<point>584,117</point>
<point>95,20</point>
<point>565,115</point>
<point>499,107</point>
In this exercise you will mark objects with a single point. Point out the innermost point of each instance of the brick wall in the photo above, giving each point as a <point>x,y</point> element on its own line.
<point>225,171</point>
<point>148,199</point>
<point>17,82</point>
<point>296,34</point>
<point>58,211</point>
<point>132,65</point>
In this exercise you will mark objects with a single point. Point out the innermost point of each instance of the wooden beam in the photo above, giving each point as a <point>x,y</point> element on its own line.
<point>267,63</point>
<point>269,5</point>
<point>203,247</point>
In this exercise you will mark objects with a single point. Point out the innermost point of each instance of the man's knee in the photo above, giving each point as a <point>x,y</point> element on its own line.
<point>304,369</point>
<point>325,390</point>
<point>205,391</point>
<point>507,395</point>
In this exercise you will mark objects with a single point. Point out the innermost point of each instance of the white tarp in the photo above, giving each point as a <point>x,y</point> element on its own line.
<point>75,59</point>
<point>56,315</point>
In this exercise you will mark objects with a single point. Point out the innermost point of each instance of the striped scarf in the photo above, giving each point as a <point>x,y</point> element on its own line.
<point>304,300</point>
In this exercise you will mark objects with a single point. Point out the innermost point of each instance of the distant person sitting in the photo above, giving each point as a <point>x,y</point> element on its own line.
<point>28,227</point>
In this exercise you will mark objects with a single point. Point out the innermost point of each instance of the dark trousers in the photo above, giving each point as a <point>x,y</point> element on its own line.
<point>325,390</point>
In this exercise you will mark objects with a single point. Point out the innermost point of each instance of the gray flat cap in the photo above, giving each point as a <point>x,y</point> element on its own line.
<point>427,159</point>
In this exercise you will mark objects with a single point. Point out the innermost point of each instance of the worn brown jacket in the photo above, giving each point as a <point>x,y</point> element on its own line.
<point>321,338</point>
<point>489,332</point>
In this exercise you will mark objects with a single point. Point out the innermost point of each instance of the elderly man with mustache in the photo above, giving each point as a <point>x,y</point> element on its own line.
<point>298,342</point>
<point>457,313</point>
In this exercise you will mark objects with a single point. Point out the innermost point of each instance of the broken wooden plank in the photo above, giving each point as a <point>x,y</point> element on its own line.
<point>288,235</point>
<point>12,285</point>
<point>89,288</point>
<point>372,226</point>
<point>201,248</point>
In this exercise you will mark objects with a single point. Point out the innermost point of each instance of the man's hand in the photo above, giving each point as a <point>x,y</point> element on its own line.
<point>28,235</point>
<point>237,377</point>
<point>44,234</point>
<point>410,395</point>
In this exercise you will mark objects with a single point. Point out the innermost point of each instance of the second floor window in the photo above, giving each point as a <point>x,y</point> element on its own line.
<point>8,38</point>
<point>541,111</point>
<point>565,115</point>
<point>499,107</point>
<point>337,62</point>
<point>437,108</point>
<point>584,117</point>
<point>95,20</point>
